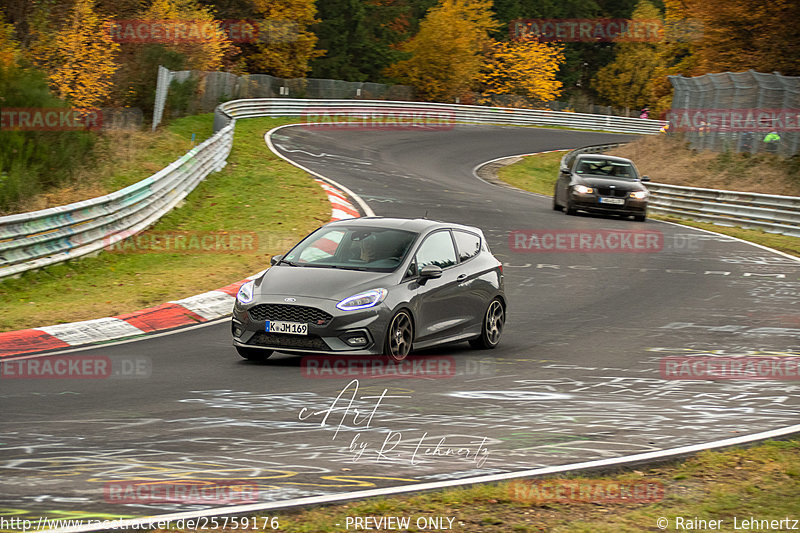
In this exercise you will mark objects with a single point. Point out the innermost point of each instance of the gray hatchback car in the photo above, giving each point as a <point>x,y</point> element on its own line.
<point>374,286</point>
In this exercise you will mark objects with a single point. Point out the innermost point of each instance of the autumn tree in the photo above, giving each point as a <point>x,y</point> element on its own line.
<point>447,53</point>
<point>677,54</point>
<point>9,48</point>
<point>627,80</point>
<point>79,57</point>
<point>738,35</point>
<point>525,68</point>
<point>208,53</point>
<point>285,46</point>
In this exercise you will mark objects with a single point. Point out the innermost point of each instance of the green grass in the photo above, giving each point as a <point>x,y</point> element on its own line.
<point>538,173</point>
<point>256,191</point>
<point>535,173</point>
<point>128,153</point>
<point>761,482</point>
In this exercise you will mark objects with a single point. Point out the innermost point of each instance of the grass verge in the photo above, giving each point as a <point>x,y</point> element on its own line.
<point>538,173</point>
<point>256,192</point>
<point>761,482</point>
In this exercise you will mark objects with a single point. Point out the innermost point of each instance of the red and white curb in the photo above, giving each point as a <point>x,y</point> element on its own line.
<point>188,311</point>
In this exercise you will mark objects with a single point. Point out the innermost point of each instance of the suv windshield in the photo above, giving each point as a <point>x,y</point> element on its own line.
<point>355,248</point>
<point>606,167</point>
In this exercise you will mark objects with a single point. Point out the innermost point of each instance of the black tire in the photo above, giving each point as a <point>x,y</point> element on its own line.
<point>556,206</point>
<point>253,354</point>
<point>492,328</point>
<point>399,336</point>
<point>640,218</point>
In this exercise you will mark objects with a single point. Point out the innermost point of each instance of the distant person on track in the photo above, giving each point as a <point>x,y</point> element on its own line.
<point>771,142</point>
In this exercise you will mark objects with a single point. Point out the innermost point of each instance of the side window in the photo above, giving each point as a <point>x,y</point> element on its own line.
<point>468,244</point>
<point>437,250</point>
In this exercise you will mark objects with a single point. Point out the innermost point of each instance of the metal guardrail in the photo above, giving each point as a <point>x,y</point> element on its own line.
<point>34,240</point>
<point>427,111</point>
<point>768,212</point>
<point>40,238</point>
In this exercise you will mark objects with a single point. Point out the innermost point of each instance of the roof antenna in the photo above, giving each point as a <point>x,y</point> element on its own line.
<point>426,215</point>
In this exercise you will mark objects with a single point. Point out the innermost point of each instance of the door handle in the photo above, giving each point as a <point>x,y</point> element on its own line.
<point>462,277</point>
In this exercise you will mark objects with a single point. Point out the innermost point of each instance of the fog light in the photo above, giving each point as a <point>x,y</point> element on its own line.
<point>237,332</point>
<point>357,341</point>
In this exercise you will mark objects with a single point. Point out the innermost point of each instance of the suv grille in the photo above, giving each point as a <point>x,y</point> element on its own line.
<point>279,340</point>
<point>289,313</point>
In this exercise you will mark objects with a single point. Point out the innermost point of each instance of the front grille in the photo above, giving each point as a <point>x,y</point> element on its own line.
<point>289,313</point>
<point>607,191</point>
<point>304,342</point>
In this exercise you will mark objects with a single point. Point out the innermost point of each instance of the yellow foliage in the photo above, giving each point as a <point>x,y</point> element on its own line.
<point>205,54</point>
<point>525,68</point>
<point>9,49</point>
<point>628,80</point>
<point>446,54</point>
<point>285,45</point>
<point>79,58</point>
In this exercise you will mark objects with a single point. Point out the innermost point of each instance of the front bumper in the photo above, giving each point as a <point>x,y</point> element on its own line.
<point>356,332</point>
<point>592,202</point>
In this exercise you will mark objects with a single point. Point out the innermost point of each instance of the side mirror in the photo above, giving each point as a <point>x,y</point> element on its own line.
<point>645,178</point>
<point>430,272</point>
<point>275,259</point>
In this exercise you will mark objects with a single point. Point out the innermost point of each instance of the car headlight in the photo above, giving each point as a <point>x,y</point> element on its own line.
<point>245,294</point>
<point>583,189</point>
<point>363,300</point>
<point>639,195</point>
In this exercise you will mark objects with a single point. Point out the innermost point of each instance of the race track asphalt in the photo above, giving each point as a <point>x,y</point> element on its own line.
<point>576,377</point>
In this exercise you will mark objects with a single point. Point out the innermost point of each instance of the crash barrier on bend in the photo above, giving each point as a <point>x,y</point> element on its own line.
<point>40,238</point>
<point>768,212</point>
<point>37,239</point>
<point>424,114</point>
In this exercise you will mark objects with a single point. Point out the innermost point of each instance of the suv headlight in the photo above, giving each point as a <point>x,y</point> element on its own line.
<point>363,300</point>
<point>639,195</point>
<point>583,189</point>
<point>245,294</point>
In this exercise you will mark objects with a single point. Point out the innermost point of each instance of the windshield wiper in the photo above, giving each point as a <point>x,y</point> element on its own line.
<point>287,262</point>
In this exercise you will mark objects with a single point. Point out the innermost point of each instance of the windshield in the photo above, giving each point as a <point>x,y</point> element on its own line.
<point>607,167</point>
<point>354,248</point>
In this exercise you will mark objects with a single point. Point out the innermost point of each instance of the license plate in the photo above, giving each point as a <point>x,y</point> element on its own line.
<point>614,201</point>
<point>292,328</point>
